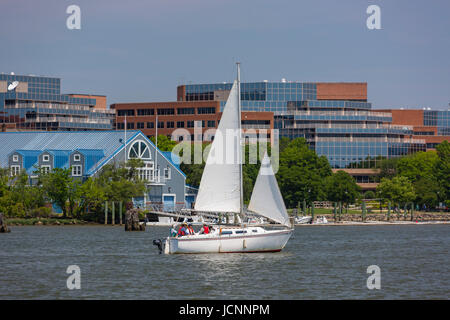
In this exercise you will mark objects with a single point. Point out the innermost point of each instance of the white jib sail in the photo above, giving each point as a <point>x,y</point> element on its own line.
<point>266,198</point>
<point>219,189</point>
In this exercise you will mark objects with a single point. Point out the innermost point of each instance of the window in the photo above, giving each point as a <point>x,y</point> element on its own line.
<point>130,125</point>
<point>168,111</point>
<point>186,111</point>
<point>170,124</point>
<point>211,123</point>
<point>190,124</point>
<point>206,110</point>
<point>180,124</point>
<point>146,173</point>
<point>227,232</point>
<point>120,125</point>
<point>167,173</point>
<point>15,170</point>
<point>146,112</point>
<point>15,158</point>
<point>122,113</point>
<point>46,158</point>
<point>76,171</point>
<point>150,125</point>
<point>77,157</point>
<point>140,125</point>
<point>45,169</point>
<point>160,124</point>
<point>139,150</point>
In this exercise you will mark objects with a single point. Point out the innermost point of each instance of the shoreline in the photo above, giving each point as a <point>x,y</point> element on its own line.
<point>373,223</point>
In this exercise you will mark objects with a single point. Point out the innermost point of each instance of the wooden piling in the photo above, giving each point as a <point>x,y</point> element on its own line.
<point>106,212</point>
<point>113,208</point>
<point>120,212</point>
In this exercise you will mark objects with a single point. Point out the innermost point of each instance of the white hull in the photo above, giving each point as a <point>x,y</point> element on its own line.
<point>260,241</point>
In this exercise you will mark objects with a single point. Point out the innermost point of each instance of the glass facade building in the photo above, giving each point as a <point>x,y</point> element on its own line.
<point>439,119</point>
<point>334,118</point>
<point>35,103</point>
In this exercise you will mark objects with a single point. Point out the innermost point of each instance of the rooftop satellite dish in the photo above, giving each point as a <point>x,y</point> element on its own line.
<point>13,85</point>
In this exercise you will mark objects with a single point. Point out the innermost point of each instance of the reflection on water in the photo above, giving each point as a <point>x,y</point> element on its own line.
<point>322,262</point>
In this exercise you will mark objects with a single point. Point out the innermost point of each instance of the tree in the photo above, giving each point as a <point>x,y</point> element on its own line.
<point>398,190</point>
<point>442,171</point>
<point>92,196</point>
<point>164,143</point>
<point>427,191</point>
<point>418,165</point>
<point>301,173</point>
<point>369,195</point>
<point>341,187</point>
<point>56,186</point>
<point>122,182</point>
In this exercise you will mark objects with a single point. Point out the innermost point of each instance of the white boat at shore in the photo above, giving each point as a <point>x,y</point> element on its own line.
<point>321,220</point>
<point>221,193</point>
<point>303,220</point>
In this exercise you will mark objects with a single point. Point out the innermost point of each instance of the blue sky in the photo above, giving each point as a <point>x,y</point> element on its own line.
<point>141,50</point>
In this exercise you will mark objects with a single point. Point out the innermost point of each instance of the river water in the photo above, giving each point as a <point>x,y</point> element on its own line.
<point>319,262</point>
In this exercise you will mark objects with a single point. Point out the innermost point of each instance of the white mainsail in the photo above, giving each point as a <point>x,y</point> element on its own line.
<point>266,198</point>
<point>220,186</point>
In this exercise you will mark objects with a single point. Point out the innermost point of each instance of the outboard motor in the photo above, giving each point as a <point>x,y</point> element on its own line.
<point>158,243</point>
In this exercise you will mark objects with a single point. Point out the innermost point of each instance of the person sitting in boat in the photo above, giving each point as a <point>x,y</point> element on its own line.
<point>190,229</point>
<point>182,231</point>
<point>204,229</point>
<point>173,231</point>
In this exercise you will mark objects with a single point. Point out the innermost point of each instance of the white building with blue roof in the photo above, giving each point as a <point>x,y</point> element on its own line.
<point>86,152</point>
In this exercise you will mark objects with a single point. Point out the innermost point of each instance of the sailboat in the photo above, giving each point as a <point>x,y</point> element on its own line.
<point>221,193</point>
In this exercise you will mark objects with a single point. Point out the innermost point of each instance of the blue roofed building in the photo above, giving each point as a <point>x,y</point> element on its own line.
<point>86,152</point>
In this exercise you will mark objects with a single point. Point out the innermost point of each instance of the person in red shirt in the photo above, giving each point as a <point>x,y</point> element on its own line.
<point>204,230</point>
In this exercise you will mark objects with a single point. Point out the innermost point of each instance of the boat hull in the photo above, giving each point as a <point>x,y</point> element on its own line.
<point>267,241</point>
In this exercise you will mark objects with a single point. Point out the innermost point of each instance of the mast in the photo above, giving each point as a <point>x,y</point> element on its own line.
<point>125,127</point>
<point>240,137</point>
<point>156,172</point>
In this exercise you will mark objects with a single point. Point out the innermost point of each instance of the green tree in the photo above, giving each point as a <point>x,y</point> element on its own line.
<point>369,195</point>
<point>122,182</point>
<point>427,190</point>
<point>56,186</point>
<point>442,171</point>
<point>164,143</point>
<point>398,190</point>
<point>301,173</point>
<point>341,186</point>
<point>91,195</point>
<point>418,165</point>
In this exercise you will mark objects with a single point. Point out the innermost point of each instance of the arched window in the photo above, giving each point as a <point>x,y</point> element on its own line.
<point>139,150</point>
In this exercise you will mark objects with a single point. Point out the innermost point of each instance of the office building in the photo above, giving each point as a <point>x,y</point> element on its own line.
<point>336,120</point>
<point>29,102</point>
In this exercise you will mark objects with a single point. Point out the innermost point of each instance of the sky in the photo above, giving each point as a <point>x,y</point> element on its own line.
<point>140,51</point>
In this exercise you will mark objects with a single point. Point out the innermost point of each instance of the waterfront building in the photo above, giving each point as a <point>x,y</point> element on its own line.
<point>29,102</point>
<point>86,152</point>
<point>192,116</point>
<point>336,120</point>
<point>433,126</point>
